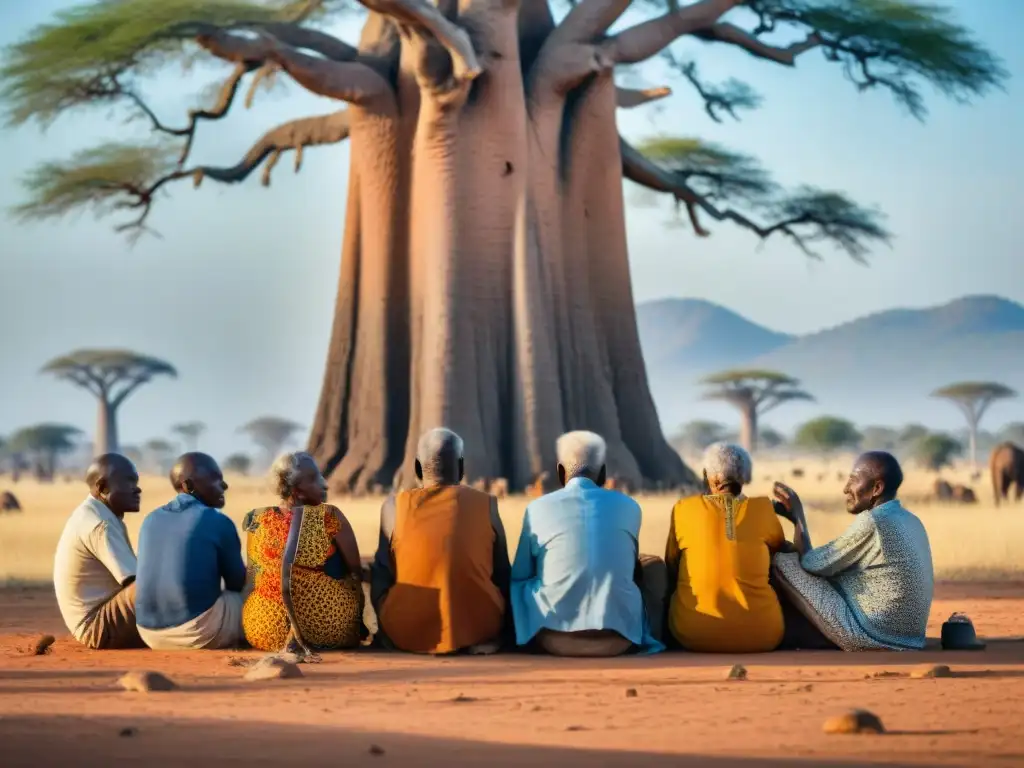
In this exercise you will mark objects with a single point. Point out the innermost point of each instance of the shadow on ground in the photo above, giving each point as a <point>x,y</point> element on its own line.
<point>88,742</point>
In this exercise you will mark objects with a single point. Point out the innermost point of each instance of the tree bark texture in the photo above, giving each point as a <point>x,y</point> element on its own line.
<point>485,282</point>
<point>106,427</point>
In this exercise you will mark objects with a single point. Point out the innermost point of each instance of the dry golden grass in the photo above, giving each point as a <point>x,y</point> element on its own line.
<point>973,542</point>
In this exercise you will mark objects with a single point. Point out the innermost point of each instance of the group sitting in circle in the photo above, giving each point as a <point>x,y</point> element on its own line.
<point>442,582</point>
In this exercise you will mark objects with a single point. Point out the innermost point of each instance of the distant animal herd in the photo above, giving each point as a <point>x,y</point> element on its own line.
<point>1006,467</point>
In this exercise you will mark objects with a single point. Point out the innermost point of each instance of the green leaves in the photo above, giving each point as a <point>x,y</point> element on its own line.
<point>807,215</point>
<point>713,171</point>
<point>91,52</point>
<point>47,438</point>
<point>827,434</point>
<point>106,178</point>
<point>975,390</point>
<point>894,44</point>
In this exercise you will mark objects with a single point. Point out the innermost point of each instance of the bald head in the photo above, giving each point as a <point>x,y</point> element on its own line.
<point>112,479</point>
<point>198,475</point>
<point>875,479</point>
<point>439,457</point>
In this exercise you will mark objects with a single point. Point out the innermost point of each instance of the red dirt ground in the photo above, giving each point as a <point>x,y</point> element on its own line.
<point>377,708</point>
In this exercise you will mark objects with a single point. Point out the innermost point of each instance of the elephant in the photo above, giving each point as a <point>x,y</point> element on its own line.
<point>1007,467</point>
<point>943,490</point>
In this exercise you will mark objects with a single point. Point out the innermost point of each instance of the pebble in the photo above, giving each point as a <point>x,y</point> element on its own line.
<point>855,721</point>
<point>42,645</point>
<point>932,670</point>
<point>631,693</point>
<point>145,681</point>
<point>273,668</point>
<point>738,672</point>
<point>376,750</point>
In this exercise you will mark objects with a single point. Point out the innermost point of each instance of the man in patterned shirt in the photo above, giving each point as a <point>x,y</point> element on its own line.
<point>871,588</point>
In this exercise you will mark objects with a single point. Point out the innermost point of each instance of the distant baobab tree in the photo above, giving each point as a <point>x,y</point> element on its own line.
<point>45,444</point>
<point>271,433</point>
<point>754,392</point>
<point>110,375</point>
<point>974,398</point>
<point>189,432</point>
<point>511,107</point>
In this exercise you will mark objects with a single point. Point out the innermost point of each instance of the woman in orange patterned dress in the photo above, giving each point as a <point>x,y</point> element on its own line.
<point>304,567</point>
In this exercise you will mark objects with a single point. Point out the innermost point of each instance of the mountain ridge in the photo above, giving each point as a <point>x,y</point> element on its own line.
<point>879,367</point>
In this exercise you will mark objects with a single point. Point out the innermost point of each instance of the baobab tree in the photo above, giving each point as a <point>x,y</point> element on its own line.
<point>484,276</point>
<point>44,444</point>
<point>271,433</point>
<point>109,375</point>
<point>189,432</point>
<point>753,392</point>
<point>973,399</point>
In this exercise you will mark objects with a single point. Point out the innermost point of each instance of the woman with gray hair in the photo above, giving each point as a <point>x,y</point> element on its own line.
<point>719,551</point>
<point>304,567</point>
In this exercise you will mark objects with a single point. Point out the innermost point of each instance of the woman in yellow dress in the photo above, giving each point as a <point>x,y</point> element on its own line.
<point>718,555</point>
<point>304,567</point>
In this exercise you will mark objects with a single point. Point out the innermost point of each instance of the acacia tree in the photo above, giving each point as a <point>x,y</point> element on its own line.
<point>937,450</point>
<point>45,444</point>
<point>974,398</point>
<point>754,393</point>
<point>160,454</point>
<point>484,279</point>
<point>238,463</point>
<point>190,432</point>
<point>110,375</point>
<point>271,433</point>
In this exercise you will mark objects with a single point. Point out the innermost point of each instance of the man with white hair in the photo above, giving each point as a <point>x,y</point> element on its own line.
<point>440,578</point>
<point>718,554</point>
<point>574,579</point>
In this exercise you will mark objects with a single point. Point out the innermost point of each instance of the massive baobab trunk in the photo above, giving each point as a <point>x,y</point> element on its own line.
<point>485,280</point>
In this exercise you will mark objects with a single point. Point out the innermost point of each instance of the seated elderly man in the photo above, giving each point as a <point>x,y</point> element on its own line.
<point>718,554</point>
<point>575,574</point>
<point>94,567</point>
<point>186,549</point>
<point>441,572</point>
<point>871,588</point>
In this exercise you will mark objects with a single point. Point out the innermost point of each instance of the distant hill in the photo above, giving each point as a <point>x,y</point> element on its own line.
<point>877,369</point>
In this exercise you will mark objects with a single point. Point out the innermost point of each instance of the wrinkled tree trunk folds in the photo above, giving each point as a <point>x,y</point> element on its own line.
<point>485,281</point>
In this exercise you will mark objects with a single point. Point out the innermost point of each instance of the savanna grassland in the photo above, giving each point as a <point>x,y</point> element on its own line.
<point>975,542</point>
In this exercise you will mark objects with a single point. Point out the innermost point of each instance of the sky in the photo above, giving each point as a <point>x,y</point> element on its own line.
<point>238,291</point>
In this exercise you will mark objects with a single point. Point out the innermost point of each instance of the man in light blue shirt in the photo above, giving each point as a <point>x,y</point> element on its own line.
<point>187,548</point>
<point>574,588</point>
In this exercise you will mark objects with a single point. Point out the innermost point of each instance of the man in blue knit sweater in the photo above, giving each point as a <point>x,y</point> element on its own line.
<point>191,575</point>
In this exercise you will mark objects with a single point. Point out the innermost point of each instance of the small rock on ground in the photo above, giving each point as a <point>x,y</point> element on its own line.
<point>932,670</point>
<point>376,750</point>
<point>128,732</point>
<point>855,721</point>
<point>738,672</point>
<point>144,681</point>
<point>42,645</point>
<point>462,698</point>
<point>631,693</point>
<point>273,668</point>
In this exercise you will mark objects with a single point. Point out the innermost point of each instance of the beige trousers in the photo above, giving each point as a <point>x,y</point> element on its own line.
<point>111,626</point>
<point>219,627</point>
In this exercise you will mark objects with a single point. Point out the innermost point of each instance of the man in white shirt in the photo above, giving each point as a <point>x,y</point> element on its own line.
<point>94,568</point>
